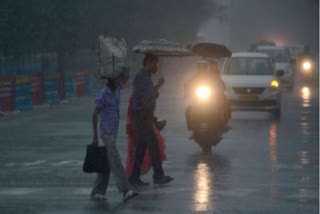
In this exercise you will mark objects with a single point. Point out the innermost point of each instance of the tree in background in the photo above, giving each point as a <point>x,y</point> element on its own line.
<point>70,25</point>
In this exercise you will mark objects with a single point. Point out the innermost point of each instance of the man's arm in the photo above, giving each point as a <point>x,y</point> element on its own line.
<point>157,87</point>
<point>160,83</point>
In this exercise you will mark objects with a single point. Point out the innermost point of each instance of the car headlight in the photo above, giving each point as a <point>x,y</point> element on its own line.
<point>274,84</point>
<point>305,92</point>
<point>306,66</point>
<point>203,92</point>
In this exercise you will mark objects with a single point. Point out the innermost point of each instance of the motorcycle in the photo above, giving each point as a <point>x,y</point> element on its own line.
<point>306,69</point>
<point>207,115</point>
<point>204,118</point>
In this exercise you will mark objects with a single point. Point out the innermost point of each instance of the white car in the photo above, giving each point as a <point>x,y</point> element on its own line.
<point>252,82</point>
<point>282,61</point>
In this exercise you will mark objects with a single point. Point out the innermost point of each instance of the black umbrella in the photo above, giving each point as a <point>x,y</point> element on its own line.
<point>162,48</point>
<point>211,50</point>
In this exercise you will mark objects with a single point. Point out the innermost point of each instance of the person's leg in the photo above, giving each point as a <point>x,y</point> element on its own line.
<point>100,185</point>
<point>140,153</point>
<point>153,144</point>
<point>115,163</point>
<point>143,124</point>
<point>155,154</point>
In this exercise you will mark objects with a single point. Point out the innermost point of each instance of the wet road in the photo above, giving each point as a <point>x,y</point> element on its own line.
<point>261,165</point>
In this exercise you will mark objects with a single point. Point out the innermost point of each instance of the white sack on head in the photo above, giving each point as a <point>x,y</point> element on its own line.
<point>112,56</point>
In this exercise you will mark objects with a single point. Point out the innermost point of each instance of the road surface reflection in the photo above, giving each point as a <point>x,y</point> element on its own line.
<point>306,93</point>
<point>274,159</point>
<point>203,183</point>
<point>209,176</point>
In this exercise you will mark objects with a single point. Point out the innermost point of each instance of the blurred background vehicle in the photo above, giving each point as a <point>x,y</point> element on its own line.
<point>306,66</point>
<point>295,50</point>
<point>282,61</point>
<point>252,83</point>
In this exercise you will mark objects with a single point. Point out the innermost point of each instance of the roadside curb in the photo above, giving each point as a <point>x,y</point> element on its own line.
<point>66,101</point>
<point>43,106</point>
<point>10,113</point>
<point>37,107</point>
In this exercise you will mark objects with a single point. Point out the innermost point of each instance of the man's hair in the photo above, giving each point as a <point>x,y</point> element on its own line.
<point>149,57</point>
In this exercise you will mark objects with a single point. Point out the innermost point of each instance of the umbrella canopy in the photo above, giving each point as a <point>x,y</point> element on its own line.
<point>162,48</point>
<point>211,50</point>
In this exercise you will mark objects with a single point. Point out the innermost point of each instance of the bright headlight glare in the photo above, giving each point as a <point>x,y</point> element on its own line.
<point>203,92</point>
<point>274,84</point>
<point>306,65</point>
<point>306,93</point>
<point>305,90</point>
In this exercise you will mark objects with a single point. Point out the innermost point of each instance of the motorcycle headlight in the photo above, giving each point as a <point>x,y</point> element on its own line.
<point>274,84</point>
<point>203,92</point>
<point>306,65</point>
<point>305,92</point>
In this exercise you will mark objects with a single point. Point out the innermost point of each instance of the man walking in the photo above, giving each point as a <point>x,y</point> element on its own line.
<point>144,103</point>
<point>107,107</point>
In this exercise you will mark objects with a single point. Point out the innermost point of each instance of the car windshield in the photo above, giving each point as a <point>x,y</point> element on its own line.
<point>249,66</point>
<point>278,55</point>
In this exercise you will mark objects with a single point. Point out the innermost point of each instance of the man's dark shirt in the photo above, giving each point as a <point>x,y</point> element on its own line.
<point>144,93</point>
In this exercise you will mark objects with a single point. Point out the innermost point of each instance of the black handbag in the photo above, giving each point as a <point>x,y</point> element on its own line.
<point>95,160</point>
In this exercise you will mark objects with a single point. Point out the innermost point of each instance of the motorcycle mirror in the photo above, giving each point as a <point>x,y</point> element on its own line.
<point>279,73</point>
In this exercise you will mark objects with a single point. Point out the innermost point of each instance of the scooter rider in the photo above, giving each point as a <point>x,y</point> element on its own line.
<point>207,72</point>
<point>201,75</point>
<point>220,88</point>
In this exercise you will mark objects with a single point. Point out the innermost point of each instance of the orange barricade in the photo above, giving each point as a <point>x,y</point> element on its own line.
<point>37,88</point>
<point>7,97</point>
<point>81,83</point>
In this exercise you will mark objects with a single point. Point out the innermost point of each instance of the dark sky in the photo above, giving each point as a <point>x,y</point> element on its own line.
<point>282,21</point>
<point>249,21</point>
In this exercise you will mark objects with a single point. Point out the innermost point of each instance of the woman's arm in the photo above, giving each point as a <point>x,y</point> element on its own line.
<point>95,115</point>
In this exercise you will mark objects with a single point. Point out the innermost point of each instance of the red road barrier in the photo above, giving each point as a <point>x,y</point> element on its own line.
<point>7,96</point>
<point>37,88</point>
<point>81,83</point>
